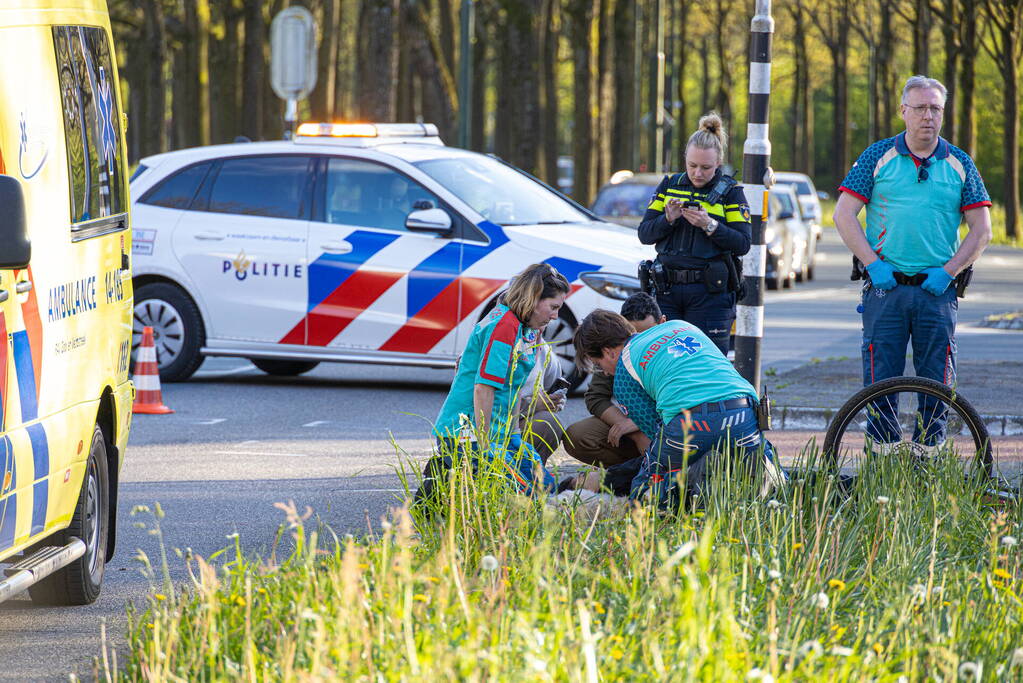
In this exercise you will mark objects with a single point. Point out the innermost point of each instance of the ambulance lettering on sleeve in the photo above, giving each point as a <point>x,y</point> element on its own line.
<point>72,298</point>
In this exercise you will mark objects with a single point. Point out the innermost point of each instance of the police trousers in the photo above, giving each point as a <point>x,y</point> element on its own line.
<point>713,314</point>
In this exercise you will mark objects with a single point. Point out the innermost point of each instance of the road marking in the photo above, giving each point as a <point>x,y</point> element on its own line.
<point>221,373</point>
<point>249,442</point>
<point>370,490</point>
<point>316,423</point>
<point>263,453</point>
<point>212,421</point>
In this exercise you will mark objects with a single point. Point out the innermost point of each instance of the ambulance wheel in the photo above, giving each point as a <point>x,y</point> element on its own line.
<point>79,582</point>
<point>178,331</point>
<point>284,368</point>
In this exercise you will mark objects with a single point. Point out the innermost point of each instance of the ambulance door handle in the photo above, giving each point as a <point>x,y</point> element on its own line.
<point>23,286</point>
<point>337,247</point>
<point>209,236</point>
<point>4,295</point>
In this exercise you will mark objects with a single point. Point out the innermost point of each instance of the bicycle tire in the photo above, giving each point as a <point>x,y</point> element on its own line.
<point>898,385</point>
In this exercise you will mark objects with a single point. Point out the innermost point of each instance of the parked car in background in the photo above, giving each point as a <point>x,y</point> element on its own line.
<point>625,197</point>
<point>810,207</point>
<point>368,243</point>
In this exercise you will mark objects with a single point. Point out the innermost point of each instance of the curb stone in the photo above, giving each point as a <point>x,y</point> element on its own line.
<point>818,419</point>
<point>1004,321</point>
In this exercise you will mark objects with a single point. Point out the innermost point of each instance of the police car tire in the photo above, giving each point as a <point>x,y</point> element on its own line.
<point>79,582</point>
<point>190,358</point>
<point>284,368</point>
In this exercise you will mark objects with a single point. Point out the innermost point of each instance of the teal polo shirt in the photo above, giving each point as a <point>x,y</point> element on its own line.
<point>912,221</point>
<point>670,368</point>
<point>500,353</point>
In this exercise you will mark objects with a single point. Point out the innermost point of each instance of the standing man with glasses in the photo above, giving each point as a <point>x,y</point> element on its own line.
<point>917,189</point>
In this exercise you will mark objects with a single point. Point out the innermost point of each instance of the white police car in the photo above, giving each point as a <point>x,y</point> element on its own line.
<point>371,243</point>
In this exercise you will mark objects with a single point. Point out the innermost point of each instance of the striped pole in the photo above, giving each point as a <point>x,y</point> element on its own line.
<point>749,323</point>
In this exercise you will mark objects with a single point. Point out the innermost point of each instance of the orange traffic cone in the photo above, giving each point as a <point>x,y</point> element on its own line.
<point>148,398</point>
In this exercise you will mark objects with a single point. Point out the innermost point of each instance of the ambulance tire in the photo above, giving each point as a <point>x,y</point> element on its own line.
<point>284,368</point>
<point>174,298</point>
<point>79,583</point>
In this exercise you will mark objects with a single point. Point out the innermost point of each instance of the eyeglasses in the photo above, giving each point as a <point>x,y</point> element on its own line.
<point>923,109</point>
<point>921,173</point>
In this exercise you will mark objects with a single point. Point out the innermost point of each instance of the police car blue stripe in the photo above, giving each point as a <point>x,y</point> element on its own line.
<point>41,466</point>
<point>440,269</point>
<point>569,268</point>
<point>26,376</point>
<point>329,271</point>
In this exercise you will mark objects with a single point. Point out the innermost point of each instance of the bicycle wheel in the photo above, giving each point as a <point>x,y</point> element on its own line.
<point>909,417</point>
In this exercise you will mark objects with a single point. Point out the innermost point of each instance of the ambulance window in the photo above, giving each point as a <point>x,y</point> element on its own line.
<point>370,195</point>
<point>92,123</point>
<point>272,186</point>
<point>177,191</point>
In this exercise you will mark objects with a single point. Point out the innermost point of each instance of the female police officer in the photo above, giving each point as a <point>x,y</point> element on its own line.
<point>699,221</point>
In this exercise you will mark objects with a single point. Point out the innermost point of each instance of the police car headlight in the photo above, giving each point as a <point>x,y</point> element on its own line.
<point>611,285</point>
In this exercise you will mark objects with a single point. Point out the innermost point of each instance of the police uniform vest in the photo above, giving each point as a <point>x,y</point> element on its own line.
<point>689,246</point>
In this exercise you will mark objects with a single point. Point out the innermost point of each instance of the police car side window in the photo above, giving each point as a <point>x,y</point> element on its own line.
<point>177,191</point>
<point>370,195</point>
<point>92,123</point>
<point>275,186</point>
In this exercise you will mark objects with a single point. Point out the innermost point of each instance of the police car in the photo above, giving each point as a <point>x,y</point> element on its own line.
<point>372,243</point>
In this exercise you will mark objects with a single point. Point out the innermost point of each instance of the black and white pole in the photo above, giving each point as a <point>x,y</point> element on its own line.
<point>756,177</point>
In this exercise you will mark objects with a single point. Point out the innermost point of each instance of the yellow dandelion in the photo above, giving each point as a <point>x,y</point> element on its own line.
<point>797,546</point>
<point>878,648</point>
<point>420,597</point>
<point>433,579</point>
<point>150,626</point>
<point>617,653</point>
<point>946,603</point>
<point>616,638</point>
<point>239,600</point>
<point>598,608</point>
<point>160,596</point>
<point>837,584</point>
<point>734,540</point>
<point>363,566</point>
<point>838,632</point>
<point>1002,574</point>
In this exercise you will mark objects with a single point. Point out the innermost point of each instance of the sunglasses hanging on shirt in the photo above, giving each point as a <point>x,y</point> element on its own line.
<point>921,173</point>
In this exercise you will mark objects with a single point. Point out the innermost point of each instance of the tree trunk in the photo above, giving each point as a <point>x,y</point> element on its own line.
<point>154,136</point>
<point>322,101</point>
<point>725,76</point>
<point>481,67</point>
<point>438,93</point>
<point>582,14</point>
<point>885,73</point>
<point>377,79</point>
<point>967,130</point>
<point>949,31</point>
<point>549,93</point>
<point>705,72</point>
<point>606,98</point>
<point>921,38</point>
<point>1010,45</point>
<point>447,9</point>
<point>254,71</point>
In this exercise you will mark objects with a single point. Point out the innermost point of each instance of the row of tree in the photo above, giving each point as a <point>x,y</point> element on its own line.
<point>579,78</point>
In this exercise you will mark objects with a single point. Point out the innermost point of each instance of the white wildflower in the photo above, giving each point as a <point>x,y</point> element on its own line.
<point>883,500</point>
<point>385,525</point>
<point>1009,541</point>
<point>918,592</point>
<point>773,504</point>
<point>810,647</point>
<point>1017,658</point>
<point>820,600</point>
<point>489,563</point>
<point>841,651</point>
<point>773,574</point>
<point>757,674</point>
<point>971,670</point>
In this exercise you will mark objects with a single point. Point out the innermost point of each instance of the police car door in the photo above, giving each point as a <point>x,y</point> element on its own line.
<point>374,285</point>
<point>243,245</point>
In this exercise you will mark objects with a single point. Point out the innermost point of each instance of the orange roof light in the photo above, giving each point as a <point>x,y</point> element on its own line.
<point>337,130</point>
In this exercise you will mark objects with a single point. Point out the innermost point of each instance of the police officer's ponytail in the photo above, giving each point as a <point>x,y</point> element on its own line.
<point>710,135</point>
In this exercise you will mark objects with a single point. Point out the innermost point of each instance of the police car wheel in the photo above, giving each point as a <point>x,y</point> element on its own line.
<point>79,582</point>
<point>283,368</point>
<point>178,332</point>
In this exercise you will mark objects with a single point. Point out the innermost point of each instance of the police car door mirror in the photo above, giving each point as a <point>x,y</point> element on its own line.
<point>16,250</point>
<point>429,220</point>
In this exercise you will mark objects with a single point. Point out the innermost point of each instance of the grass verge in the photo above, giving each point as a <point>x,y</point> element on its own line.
<point>908,574</point>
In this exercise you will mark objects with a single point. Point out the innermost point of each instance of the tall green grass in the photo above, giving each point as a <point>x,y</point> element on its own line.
<point>910,573</point>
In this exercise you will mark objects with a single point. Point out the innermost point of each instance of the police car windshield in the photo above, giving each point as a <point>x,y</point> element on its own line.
<point>499,193</point>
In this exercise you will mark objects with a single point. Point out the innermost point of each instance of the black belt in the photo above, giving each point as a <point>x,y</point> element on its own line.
<point>912,280</point>
<point>683,276</point>
<point>721,406</point>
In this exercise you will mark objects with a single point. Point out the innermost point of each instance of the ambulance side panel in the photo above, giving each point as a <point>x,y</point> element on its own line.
<point>68,332</point>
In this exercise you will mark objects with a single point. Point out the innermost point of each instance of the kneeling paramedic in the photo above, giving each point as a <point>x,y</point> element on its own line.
<point>682,392</point>
<point>480,416</point>
<point>699,222</point>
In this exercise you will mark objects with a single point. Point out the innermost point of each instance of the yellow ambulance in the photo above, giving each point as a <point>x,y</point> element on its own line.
<point>65,298</point>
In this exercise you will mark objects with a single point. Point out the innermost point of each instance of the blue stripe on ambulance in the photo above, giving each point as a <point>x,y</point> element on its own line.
<point>26,376</point>
<point>328,271</point>
<point>8,502</point>
<point>41,464</point>
<point>441,268</point>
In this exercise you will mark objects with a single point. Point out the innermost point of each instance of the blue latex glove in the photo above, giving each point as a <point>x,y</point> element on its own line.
<point>882,275</point>
<point>937,280</point>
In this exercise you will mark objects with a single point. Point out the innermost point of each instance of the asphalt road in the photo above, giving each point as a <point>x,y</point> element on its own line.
<point>333,440</point>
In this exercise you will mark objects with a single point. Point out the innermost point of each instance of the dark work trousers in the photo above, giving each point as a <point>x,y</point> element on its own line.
<point>712,313</point>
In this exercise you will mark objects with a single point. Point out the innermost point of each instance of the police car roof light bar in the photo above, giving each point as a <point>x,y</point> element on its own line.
<point>368,130</point>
